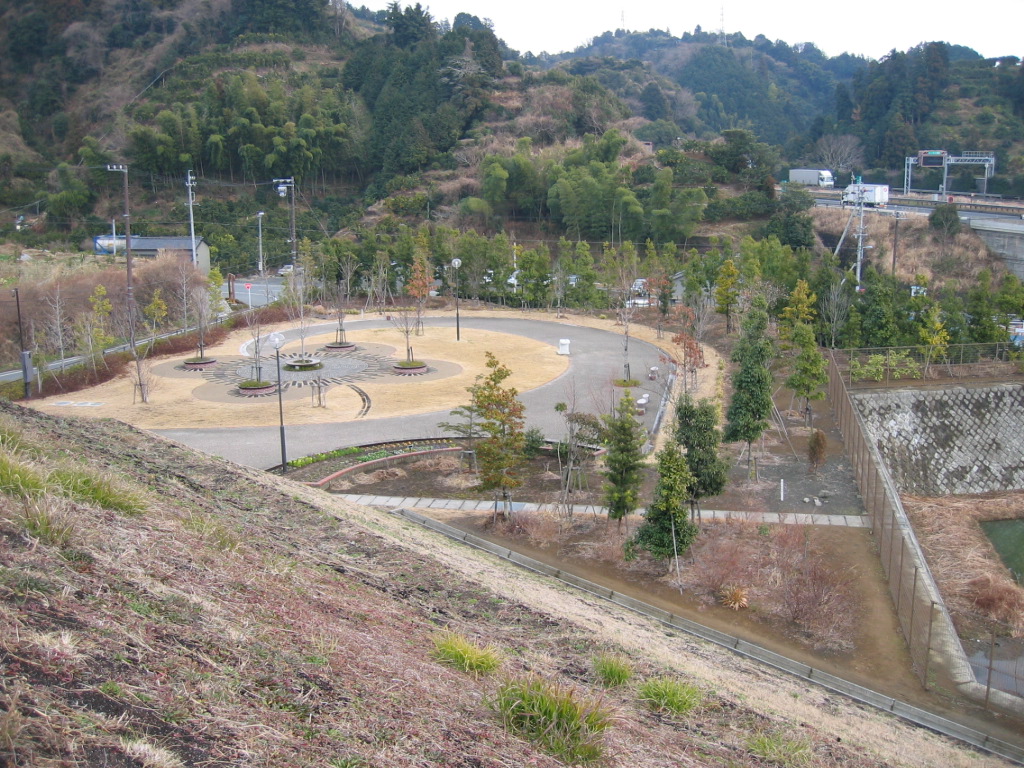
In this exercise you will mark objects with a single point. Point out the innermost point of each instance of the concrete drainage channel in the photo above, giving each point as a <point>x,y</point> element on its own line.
<point>783,664</point>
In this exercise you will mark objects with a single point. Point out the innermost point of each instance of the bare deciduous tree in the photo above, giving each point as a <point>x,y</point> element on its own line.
<point>130,325</point>
<point>840,153</point>
<point>835,308</point>
<point>57,334</point>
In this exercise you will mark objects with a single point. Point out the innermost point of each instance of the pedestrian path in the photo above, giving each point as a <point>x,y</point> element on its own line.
<point>471,505</point>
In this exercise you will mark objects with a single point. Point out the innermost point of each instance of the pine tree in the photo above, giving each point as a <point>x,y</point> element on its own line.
<point>624,438</point>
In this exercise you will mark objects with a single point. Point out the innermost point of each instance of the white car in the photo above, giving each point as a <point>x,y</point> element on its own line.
<point>287,269</point>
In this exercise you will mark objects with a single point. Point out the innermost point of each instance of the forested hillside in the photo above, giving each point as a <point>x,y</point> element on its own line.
<point>409,137</point>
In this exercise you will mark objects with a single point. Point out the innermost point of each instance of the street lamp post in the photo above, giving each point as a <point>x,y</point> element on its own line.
<point>456,263</point>
<point>190,185</point>
<point>259,237</point>
<point>276,341</point>
<point>121,168</point>
<point>283,188</point>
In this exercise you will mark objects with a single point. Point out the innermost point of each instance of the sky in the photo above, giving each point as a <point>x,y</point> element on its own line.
<point>869,30</point>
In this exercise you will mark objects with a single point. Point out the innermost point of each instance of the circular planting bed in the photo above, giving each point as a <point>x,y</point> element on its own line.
<point>340,345</point>
<point>199,364</point>
<point>254,388</point>
<point>304,364</point>
<point>410,368</point>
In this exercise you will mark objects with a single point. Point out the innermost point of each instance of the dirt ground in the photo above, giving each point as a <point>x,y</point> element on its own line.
<point>592,549</point>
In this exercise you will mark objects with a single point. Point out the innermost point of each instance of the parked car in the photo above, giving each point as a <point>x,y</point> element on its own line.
<point>287,269</point>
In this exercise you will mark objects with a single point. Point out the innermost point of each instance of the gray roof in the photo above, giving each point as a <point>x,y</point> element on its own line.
<point>165,243</point>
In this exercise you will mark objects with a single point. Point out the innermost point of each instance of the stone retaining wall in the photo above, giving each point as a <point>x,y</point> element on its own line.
<point>948,441</point>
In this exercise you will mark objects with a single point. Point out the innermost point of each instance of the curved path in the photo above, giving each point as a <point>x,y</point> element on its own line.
<point>596,358</point>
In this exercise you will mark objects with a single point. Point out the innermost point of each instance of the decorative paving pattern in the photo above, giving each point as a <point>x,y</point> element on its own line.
<point>339,367</point>
<point>365,398</point>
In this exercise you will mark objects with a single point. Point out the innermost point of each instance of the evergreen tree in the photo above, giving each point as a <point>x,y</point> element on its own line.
<point>666,531</point>
<point>696,430</point>
<point>653,103</point>
<point>624,437</point>
<point>810,368</point>
<point>727,291</point>
<point>747,417</point>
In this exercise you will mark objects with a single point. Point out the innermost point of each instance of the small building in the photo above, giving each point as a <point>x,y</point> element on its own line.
<point>151,247</point>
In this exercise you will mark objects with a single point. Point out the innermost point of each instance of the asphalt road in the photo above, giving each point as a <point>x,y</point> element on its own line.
<point>596,358</point>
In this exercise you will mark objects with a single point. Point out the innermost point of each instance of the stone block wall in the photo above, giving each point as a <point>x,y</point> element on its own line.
<point>958,440</point>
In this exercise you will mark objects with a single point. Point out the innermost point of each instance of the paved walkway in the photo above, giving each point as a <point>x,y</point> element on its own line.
<point>470,505</point>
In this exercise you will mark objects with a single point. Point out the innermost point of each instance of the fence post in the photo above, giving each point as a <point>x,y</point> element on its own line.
<point>991,654</point>
<point>928,646</point>
<point>892,538</point>
<point>913,606</point>
<point>899,588</point>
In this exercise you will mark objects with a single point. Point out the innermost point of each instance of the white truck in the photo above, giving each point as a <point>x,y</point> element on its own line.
<point>874,195</point>
<point>812,177</point>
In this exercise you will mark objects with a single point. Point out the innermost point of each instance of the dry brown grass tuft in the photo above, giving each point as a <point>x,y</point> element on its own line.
<point>442,463</point>
<point>368,478</point>
<point>965,565</point>
<point>540,528</point>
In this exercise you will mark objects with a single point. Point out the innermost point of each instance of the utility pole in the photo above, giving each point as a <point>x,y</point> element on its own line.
<point>283,188</point>
<point>26,356</point>
<point>896,242</point>
<point>860,228</point>
<point>190,185</point>
<point>120,168</point>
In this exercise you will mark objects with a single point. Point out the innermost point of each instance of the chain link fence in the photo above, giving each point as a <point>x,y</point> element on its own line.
<point>884,366</point>
<point>937,654</point>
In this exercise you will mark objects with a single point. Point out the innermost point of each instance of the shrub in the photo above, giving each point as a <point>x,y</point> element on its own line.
<point>79,377</point>
<point>48,523</point>
<point>612,670</point>
<point>534,442</point>
<point>95,489</point>
<point>779,749</point>
<point>457,651</point>
<point>816,450</point>
<point>733,596</point>
<point>554,717</point>
<point>17,479</point>
<point>666,694</point>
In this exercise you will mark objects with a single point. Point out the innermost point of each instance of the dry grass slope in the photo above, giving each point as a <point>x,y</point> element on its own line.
<point>247,620</point>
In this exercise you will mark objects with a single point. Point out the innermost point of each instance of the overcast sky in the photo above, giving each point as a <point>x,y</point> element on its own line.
<point>873,29</point>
